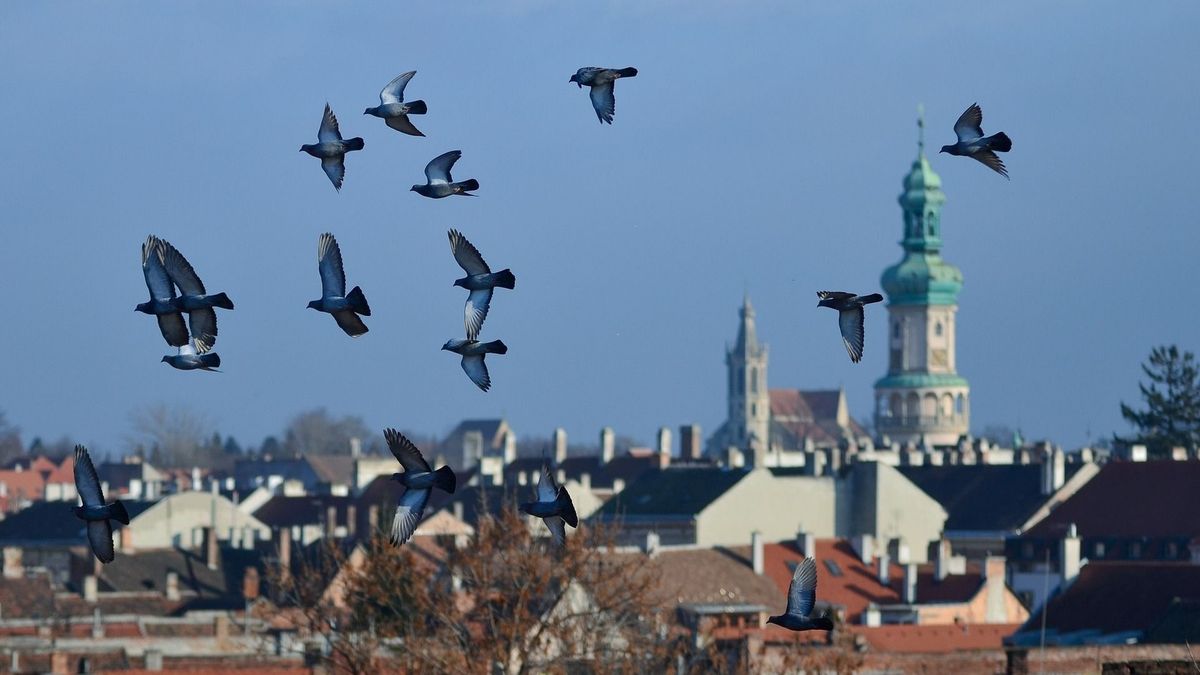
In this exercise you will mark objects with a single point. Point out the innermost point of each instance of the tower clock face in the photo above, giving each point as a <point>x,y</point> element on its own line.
<point>938,357</point>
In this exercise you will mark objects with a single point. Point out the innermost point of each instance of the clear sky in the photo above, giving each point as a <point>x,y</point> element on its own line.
<point>760,148</point>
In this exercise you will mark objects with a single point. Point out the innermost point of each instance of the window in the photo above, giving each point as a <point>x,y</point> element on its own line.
<point>896,330</point>
<point>754,380</point>
<point>1135,549</point>
<point>754,410</point>
<point>833,567</point>
<point>960,404</point>
<point>1098,549</point>
<point>937,329</point>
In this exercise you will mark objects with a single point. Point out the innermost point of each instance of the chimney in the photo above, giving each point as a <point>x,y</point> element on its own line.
<point>221,627</point>
<point>585,481</point>
<point>733,458</point>
<point>941,563</point>
<point>756,552</point>
<point>618,485</point>
<point>60,663</point>
<point>14,567</point>
<point>806,543</point>
<point>1053,470</point>
<point>1179,453</point>
<point>285,551</point>
<point>351,519</point>
<point>1137,453</point>
<point>89,588</point>
<point>814,463</point>
<point>195,478</point>
<point>899,551</point>
<point>172,590</point>
<point>211,554</point>
<point>250,583</point>
<point>883,568</point>
<point>993,574</point>
<point>909,594</point>
<point>457,509</point>
<point>652,543</point>
<point>689,442</point>
<point>1070,555</point>
<point>355,447</point>
<point>864,545</point>
<point>330,521</point>
<point>154,660</point>
<point>664,447</point>
<point>97,624</point>
<point>608,445</point>
<point>126,540</point>
<point>872,617</point>
<point>373,517</point>
<point>560,445</point>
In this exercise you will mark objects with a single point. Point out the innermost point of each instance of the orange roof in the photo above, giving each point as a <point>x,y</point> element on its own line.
<point>27,484</point>
<point>857,586</point>
<point>64,472</point>
<point>935,639</point>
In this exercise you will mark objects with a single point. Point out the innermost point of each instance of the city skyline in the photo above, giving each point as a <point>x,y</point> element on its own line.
<point>1072,269</point>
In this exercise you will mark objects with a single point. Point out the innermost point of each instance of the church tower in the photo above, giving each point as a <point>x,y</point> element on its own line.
<point>922,400</point>
<point>748,420</point>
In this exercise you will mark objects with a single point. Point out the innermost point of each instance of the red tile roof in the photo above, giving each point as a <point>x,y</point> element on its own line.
<point>935,639</point>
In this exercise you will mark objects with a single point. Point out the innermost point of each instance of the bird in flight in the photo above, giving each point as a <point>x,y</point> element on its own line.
<point>193,299</point>
<point>345,307</point>
<point>802,597</point>
<point>553,505</point>
<point>972,143</point>
<point>472,353</point>
<point>601,80</point>
<point>194,355</point>
<point>162,294</point>
<point>850,317</point>
<point>392,108</point>
<point>94,511</point>
<point>418,480</point>
<point>331,149</point>
<point>438,181</point>
<point>480,281</point>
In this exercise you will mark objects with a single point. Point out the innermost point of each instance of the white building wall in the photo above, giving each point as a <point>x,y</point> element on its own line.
<point>175,519</point>
<point>778,507</point>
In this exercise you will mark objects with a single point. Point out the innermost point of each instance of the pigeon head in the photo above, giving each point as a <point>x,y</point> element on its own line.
<point>775,620</point>
<point>415,188</point>
<point>947,148</point>
<point>165,359</point>
<point>461,282</point>
<point>827,302</point>
<point>454,344</point>
<point>144,308</point>
<point>315,304</point>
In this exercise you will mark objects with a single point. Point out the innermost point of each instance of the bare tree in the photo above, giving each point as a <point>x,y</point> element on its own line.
<point>173,437</point>
<point>318,432</point>
<point>10,440</point>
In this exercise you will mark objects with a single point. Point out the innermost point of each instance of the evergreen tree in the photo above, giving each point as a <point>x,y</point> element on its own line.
<point>1172,396</point>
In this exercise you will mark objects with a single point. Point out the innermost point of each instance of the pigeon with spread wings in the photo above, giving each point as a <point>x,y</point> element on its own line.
<point>553,505</point>
<point>972,143</point>
<point>345,307</point>
<point>331,149</point>
<point>850,317</point>
<point>418,480</point>
<point>479,281</point>
<point>438,182</point>
<point>601,80</point>
<point>193,299</point>
<point>473,353</point>
<point>802,597</point>
<point>392,108</point>
<point>162,294</point>
<point>93,510</point>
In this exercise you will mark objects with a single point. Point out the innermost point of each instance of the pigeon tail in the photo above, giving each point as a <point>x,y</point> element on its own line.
<point>1000,142</point>
<point>220,300</point>
<point>358,302</point>
<point>117,512</point>
<point>627,72</point>
<point>210,360</point>
<point>495,347</point>
<point>505,279</point>
<point>469,184</point>
<point>566,509</point>
<point>444,479</point>
<point>355,143</point>
<point>868,299</point>
<point>416,108</point>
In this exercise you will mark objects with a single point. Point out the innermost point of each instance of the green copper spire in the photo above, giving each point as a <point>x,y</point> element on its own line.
<point>922,277</point>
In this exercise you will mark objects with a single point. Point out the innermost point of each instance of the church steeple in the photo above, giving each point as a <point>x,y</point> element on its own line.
<point>749,402</point>
<point>747,337</point>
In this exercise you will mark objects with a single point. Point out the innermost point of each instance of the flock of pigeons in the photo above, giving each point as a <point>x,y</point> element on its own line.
<point>166,269</point>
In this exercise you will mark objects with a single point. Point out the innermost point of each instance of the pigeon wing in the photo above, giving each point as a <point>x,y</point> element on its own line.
<point>438,169</point>
<point>329,127</point>
<point>173,329</point>
<point>834,295</point>
<point>850,321</point>
<point>402,124</point>
<point>350,322</point>
<point>466,255</point>
<point>203,324</point>
<point>557,529</point>
<point>970,124</point>
<point>477,370</point>
<point>802,593</point>
<point>604,101</point>
<point>87,481</point>
<point>180,270</point>
<point>547,487</point>
<point>476,310</point>
<point>991,161</point>
<point>394,91</point>
<point>335,168</point>
<point>100,536</point>
<point>329,263</point>
<point>155,270</point>
<point>408,514</point>
<point>405,452</point>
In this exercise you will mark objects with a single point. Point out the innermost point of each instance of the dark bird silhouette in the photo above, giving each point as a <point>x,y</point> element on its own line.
<point>553,505</point>
<point>972,143</point>
<point>162,294</point>
<point>392,108</point>
<point>331,149</point>
<point>345,307</point>
<point>472,353</point>
<point>94,511</point>
<point>850,317</point>
<point>193,299</point>
<point>802,596</point>
<point>194,356</point>
<point>601,80</point>
<point>438,181</point>
<point>479,281</point>
<point>418,479</point>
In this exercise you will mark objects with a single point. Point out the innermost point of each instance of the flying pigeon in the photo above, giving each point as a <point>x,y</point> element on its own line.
<point>418,479</point>
<point>601,82</point>
<point>553,506</point>
<point>472,358</point>
<point>802,596</point>
<point>394,110</point>
<point>972,143</point>
<point>162,294</point>
<point>192,296</point>
<point>479,281</point>
<point>440,184</point>
<point>331,148</point>
<point>850,317</point>
<point>194,357</point>
<point>345,307</point>
<point>94,511</point>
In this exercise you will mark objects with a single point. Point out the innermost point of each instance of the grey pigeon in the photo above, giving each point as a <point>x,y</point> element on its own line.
<point>439,183</point>
<point>331,149</point>
<point>94,511</point>
<point>394,110</point>
<point>479,281</point>
<point>850,317</point>
<point>601,82</point>
<point>553,506</point>
<point>194,357</point>
<point>162,294</point>
<point>802,596</point>
<point>418,479</point>
<point>472,358</point>
<point>345,307</point>
<point>972,143</point>
<point>193,299</point>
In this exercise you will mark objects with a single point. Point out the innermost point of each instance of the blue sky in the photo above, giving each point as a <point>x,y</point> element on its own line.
<point>761,147</point>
